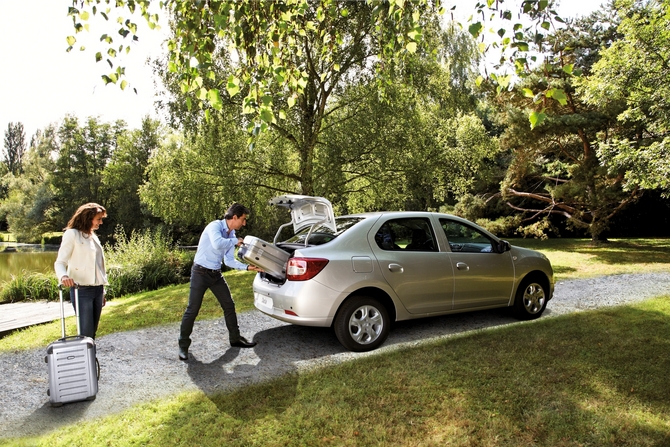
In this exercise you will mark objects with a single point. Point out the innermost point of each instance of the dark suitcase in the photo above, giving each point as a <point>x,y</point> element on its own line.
<point>71,363</point>
<point>263,254</point>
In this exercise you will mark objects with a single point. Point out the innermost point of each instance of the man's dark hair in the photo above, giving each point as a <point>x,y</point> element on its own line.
<point>236,209</point>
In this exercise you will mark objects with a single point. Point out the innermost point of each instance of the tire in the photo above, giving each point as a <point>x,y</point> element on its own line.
<point>530,300</point>
<point>362,324</point>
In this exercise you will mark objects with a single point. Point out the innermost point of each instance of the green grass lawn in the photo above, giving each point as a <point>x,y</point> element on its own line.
<point>578,258</point>
<point>596,378</point>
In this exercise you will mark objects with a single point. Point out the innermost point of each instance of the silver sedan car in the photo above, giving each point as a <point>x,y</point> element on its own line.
<point>359,273</point>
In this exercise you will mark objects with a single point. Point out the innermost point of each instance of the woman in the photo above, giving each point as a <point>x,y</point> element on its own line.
<point>81,261</point>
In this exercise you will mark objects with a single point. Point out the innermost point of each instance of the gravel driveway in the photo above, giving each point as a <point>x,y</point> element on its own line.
<point>142,365</point>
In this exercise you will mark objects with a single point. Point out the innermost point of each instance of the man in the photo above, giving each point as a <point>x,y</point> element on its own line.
<point>217,242</point>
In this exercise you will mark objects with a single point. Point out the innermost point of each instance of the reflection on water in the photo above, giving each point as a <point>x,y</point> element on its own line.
<point>15,258</point>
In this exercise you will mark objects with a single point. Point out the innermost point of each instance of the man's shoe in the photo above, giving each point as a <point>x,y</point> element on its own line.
<point>183,354</point>
<point>243,343</point>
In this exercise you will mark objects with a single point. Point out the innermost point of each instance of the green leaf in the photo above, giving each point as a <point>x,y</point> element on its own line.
<point>71,40</point>
<point>233,86</point>
<point>475,29</point>
<point>215,99</point>
<point>267,115</point>
<point>557,94</point>
<point>528,93</point>
<point>536,119</point>
<point>411,47</point>
<point>124,84</point>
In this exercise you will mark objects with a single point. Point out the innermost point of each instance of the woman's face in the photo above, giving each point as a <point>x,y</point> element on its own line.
<point>97,221</point>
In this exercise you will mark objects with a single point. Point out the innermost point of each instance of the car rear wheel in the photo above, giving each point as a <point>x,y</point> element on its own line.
<point>531,300</point>
<point>362,324</point>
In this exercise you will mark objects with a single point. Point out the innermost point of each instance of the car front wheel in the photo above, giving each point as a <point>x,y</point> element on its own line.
<point>362,324</point>
<point>531,300</point>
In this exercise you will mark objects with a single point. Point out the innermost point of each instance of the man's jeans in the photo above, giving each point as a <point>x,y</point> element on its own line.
<point>90,308</point>
<point>201,280</point>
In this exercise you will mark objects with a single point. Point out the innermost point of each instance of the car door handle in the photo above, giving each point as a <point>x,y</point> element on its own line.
<point>396,268</point>
<point>462,266</point>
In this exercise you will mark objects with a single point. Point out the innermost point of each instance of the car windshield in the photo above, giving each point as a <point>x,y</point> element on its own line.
<point>322,234</point>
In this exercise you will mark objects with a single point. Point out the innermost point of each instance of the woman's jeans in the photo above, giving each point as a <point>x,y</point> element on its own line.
<point>201,280</point>
<point>90,308</point>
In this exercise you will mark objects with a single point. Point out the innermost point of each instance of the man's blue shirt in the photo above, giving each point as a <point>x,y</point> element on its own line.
<point>217,243</point>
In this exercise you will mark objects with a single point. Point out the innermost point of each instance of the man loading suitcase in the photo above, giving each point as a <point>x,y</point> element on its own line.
<point>217,243</point>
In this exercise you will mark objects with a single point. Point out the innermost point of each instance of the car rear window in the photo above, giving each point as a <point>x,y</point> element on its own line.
<point>321,234</point>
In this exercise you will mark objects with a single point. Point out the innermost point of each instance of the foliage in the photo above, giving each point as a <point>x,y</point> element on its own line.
<point>15,147</point>
<point>556,169</point>
<point>330,143</point>
<point>633,74</point>
<point>83,154</point>
<point>144,261</point>
<point>266,35</point>
<point>29,286</point>
<point>125,173</point>
<point>29,194</point>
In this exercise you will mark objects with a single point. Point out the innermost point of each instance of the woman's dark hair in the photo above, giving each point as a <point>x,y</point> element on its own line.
<point>82,219</point>
<point>236,209</point>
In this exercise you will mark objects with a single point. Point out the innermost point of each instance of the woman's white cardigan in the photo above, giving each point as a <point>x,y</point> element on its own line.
<point>76,257</point>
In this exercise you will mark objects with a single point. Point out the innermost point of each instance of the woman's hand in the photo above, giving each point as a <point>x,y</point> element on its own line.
<point>67,281</point>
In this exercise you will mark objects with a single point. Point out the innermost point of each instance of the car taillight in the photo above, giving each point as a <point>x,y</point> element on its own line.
<point>302,269</point>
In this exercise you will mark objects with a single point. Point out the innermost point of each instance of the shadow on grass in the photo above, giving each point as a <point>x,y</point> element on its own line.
<point>594,378</point>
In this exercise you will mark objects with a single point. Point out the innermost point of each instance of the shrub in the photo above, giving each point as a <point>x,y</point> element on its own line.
<point>52,240</point>
<point>145,261</point>
<point>29,286</point>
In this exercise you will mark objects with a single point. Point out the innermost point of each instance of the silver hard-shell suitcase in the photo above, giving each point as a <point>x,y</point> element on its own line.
<point>263,254</point>
<point>71,363</point>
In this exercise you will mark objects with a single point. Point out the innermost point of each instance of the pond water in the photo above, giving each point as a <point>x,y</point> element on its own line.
<point>15,258</point>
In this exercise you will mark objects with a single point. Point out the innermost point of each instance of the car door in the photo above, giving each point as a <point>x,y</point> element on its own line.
<point>482,277</point>
<point>410,261</point>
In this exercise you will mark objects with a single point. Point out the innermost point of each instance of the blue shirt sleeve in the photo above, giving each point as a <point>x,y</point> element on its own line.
<point>217,244</point>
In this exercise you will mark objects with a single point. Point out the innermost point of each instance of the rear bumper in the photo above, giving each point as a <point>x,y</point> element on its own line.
<point>304,303</point>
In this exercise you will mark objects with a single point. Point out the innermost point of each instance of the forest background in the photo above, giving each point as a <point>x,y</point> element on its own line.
<point>587,157</point>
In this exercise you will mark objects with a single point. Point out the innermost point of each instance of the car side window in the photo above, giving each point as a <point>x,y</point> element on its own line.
<point>465,239</point>
<point>409,234</point>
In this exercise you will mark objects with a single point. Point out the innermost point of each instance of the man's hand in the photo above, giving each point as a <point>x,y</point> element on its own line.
<point>239,242</point>
<point>253,268</point>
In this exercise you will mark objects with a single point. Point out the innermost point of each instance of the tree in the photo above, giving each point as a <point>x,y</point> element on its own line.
<point>633,74</point>
<point>30,196</point>
<point>15,147</point>
<point>83,155</point>
<point>125,173</point>
<point>268,37</point>
<point>556,169</point>
<point>340,139</point>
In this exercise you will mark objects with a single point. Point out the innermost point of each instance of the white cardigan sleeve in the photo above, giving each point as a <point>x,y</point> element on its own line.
<point>64,253</point>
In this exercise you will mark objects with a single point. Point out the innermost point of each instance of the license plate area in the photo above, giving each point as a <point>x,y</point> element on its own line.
<point>263,302</point>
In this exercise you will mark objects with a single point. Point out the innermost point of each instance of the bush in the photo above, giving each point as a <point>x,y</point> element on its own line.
<point>30,286</point>
<point>52,240</point>
<point>146,261</point>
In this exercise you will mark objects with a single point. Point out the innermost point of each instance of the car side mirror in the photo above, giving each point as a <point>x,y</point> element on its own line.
<point>504,246</point>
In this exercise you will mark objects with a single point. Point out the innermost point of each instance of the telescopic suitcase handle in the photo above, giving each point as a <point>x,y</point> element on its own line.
<point>62,308</point>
